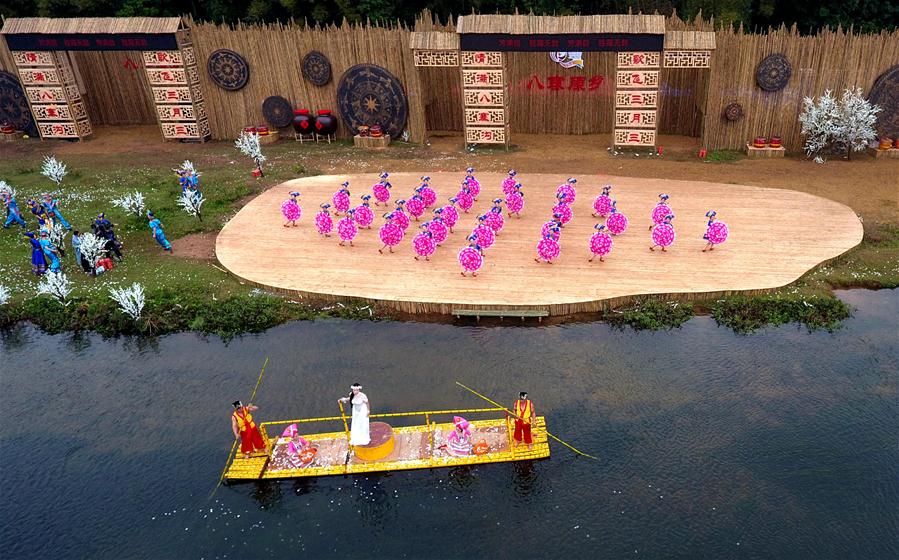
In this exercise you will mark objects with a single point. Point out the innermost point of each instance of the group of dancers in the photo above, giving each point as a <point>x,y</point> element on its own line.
<point>435,230</point>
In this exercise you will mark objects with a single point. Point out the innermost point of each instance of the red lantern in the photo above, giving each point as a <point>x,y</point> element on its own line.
<point>257,173</point>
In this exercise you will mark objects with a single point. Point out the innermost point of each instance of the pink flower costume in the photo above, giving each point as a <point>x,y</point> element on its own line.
<point>415,206</point>
<point>341,199</point>
<point>509,183</point>
<point>381,190</point>
<point>474,186</point>
<point>548,250</point>
<point>450,215</point>
<point>485,235</point>
<point>423,243</point>
<point>616,222</point>
<point>471,258</point>
<point>661,211</point>
<point>464,199</point>
<point>552,228</point>
<point>494,218</point>
<point>399,215</point>
<point>438,229</point>
<point>346,228</point>
<point>428,195</point>
<point>602,206</point>
<point>390,233</point>
<point>291,210</point>
<point>563,209</point>
<point>568,190</point>
<point>323,222</point>
<point>515,201</point>
<point>715,233</point>
<point>600,243</point>
<point>663,234</point>
<point>363,214</point>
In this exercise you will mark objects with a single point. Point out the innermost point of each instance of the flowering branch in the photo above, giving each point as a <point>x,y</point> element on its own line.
<point>54,170</point>
<point>132,203</point>
<point>57,285</point>
<point>130,300</point>
<point>191,201</point>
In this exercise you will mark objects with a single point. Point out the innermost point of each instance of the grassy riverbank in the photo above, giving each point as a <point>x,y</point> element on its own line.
<point>188,291</point>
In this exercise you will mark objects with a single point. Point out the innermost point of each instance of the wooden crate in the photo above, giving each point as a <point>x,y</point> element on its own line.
<point>890,153</point>
<point>269,138</point>
<point>371,142</point>
<point>755,153</point>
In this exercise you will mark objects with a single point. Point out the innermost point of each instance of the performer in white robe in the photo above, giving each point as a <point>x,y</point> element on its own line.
<point>359,433</point>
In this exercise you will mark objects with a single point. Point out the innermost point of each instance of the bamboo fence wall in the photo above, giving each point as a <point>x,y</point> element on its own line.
<point>114,93</point>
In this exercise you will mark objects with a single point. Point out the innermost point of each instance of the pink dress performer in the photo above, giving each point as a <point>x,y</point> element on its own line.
<point>364,215</point>
<point>616,222</point>
<point>390,233</point>
<point>323,222</point>
<point>381,190</point>
<point>450,215</point>
<point>509,183</point>
<point>474,186</point>
<point>663,234</point>
<point>563,209</point>
<point>290,208</point>
<point>464,198</point>
<point>472,257</point>
<point>661,211</point>
<point>341,199</point>
<point>602,206</point>
<point>428,195</point>
<point>423,243</point>
<point>458,442</point>
<point>415,206</point>
<point>715,232</point>
<point>600,243</point>
<point>494,218</point>
<point>399,215</point>
<point>437,228</point>
<point>486,237</point>
<point>552,228</point>
<point>515,201</point>
<point>548,249</point>
<point>346,228</point>
<point>568,190</point>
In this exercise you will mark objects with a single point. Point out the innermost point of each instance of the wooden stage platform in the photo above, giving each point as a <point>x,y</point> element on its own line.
<point>775,237</point>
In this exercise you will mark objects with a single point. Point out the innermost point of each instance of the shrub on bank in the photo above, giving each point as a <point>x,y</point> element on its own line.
<point>746,314</point>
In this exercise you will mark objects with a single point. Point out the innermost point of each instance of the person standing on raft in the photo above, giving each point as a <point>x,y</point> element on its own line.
<point>244,427</point>
<point>359,429</point>
<point>524,418</point>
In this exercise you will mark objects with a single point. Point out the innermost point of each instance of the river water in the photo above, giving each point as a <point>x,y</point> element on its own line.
<point>779,444</point>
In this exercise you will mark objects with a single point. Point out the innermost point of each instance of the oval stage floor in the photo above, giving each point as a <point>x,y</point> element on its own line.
<point>775,237</point>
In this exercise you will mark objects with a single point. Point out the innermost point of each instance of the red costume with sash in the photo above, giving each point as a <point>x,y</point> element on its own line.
<point>524,409</point>
<point>250,438</point>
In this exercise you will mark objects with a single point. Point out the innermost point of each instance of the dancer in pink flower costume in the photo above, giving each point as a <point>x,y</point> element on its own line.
<point>291,210</point>
<point>364,215</point>
<point>464,198</point>
<point>548,249</point>
<point>390,233</point>
<point>423,243</point>
<point>415,206</point>
<point>494,218</point>
<point>341,199</point>
<point>438,229</point>
<point>600,243</point>
<point>399,215</point>
<point>663,234</point>
<point>472,257</point>
<point>323,222</point>
<point>346,228</point>
<point>553,228</point>
<point>568,190</point>
<point>486,237</point>
<point>515,201</point>
<point>616,222</point>
<point>381,190</point>
<point>509,183</point>
<point>428,195</point>
<point>715,232</point>
<point>450,215</point>
<point>602,206</point>
<point>474,186</point>
<point>563,209</point>
<point>661,211</point>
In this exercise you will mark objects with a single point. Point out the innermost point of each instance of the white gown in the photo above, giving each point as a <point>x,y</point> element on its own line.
<point>359,434</point>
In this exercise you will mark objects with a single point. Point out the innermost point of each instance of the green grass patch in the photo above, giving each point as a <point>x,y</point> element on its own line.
<point>724,156</point>
<point>650,314</point>
<point>746,314</point>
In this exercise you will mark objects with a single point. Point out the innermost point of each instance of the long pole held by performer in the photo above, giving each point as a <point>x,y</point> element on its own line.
<point>494,403</point>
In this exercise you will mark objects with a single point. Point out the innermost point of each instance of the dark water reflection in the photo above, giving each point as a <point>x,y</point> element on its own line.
<point>781,444</point>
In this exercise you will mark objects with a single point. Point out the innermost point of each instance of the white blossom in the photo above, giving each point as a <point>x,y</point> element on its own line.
<point>53,169</point>
<point>857,118</point>
<point>4,294</point>
<point>92,247</point>
<point>55,284</point>
<point>130,300</point>
<point>848,123</point>
<point>58,234</point>
<point>191,201</point>
<point>248,144</point>
<point>132,203</point>
<point>820,122</point>
<point>7,189</point>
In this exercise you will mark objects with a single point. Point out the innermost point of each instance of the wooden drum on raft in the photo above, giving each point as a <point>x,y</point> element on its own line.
<point>381,444</point>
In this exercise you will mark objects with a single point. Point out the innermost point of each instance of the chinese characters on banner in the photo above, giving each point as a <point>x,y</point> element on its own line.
<point>537,83</point>
<point>52,94</point>
<point>175,87</point>
<point>484,95</point>
<point>636,98</point>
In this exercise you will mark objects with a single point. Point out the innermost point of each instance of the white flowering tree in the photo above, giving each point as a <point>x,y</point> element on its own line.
<point>857,119</point>
<point>6,189</point>
<point>191,201</point>
<point>847,123</point>
<point>58,237</point>
<point>131,299</point>
<point>820,122</point>
<point>4,294</point>
<point>57,285</point>
<point>54,170</point>
<point>132,203</point>
<point>92,248</point>
<point>248,144</point>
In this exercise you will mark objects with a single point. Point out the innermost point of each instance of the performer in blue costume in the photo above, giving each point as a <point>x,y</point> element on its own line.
<point>39,212</point>
<point>38,260</point>
<point>12,213</point>
<point>52,206</point>
<point>158,234</point>
<point>50,251</point>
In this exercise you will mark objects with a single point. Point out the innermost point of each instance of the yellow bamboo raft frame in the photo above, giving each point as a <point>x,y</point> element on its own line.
<point>256,467</point>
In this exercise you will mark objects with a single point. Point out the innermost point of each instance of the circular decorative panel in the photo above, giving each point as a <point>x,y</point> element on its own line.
<point>369,95</point>
<point>316,68</point>
<point>885,94</point>
<point>14,106</point>
<point>277,111</point>
<point>773,73</point>
<point>733,112</point>
<point>228,69</point>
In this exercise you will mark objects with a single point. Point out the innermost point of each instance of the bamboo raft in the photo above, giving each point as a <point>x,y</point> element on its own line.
<point>411,447</point>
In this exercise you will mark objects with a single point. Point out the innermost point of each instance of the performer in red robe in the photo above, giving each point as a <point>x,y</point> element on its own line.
<point>524,418</point>
<point>244,427</point>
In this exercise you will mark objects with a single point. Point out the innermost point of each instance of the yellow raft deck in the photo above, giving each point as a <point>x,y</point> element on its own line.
<point>414,447</point>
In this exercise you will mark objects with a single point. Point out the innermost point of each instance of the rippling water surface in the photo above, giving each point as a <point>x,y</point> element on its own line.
<point>780,444</point>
